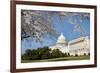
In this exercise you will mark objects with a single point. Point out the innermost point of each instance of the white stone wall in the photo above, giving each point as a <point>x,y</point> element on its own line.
<point>81,48</point>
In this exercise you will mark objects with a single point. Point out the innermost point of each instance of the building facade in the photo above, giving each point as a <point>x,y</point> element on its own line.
<point>79,46</point>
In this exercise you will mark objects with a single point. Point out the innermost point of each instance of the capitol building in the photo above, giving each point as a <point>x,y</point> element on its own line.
<point>79,46</point>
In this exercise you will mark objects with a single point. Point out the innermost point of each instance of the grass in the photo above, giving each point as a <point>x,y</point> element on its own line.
<point>59,59</point>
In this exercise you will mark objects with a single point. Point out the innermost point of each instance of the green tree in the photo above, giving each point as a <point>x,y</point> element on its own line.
<point>56,53</point>
<point>27,55</point>
<point>44,53</point>
<point>35,54</point>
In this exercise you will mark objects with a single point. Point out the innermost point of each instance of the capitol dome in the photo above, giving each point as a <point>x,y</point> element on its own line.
<point>61,39</point>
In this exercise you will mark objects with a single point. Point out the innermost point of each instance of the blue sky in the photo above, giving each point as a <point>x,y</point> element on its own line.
<point>66,28</point>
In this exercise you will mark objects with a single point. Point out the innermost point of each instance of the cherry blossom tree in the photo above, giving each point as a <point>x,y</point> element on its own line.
<point>39,24</point>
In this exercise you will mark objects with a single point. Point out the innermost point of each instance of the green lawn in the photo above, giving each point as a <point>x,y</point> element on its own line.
<point>59,59</point>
